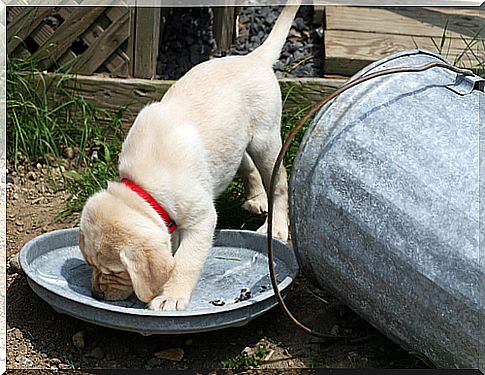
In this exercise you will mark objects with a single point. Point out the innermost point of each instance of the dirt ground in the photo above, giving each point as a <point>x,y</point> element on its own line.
<point>38,337</point>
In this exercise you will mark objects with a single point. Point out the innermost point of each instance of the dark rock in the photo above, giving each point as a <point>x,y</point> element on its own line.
<point>154,362</point>
<point>299,23</point>
<point>78,340</point>
<point>271,19</point>
<point>69,153</point>
<point>319,31</point>
<point>279,66</point>
<point>255,40</point>
<point>15,263</point>
<point>297,56</point>
<point>194,54</point>
<point>97,353</point>
<point>188,38</point>
<point>244,18</point>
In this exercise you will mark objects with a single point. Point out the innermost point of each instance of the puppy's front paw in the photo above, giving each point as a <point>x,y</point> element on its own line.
<point>166,303</point>
<point>256,205</point>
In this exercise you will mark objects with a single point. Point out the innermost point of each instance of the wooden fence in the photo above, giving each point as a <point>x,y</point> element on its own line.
<point>124,42</point>
<point>119,41</point>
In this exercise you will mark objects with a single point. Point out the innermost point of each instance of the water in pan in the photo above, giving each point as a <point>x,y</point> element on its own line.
<point>227,271</point>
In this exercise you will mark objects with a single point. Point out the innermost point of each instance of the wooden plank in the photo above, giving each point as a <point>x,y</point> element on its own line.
<point>66,60</point>
<point>114,13</point>
<point>42,34</point>
<point>418,21</point>
<point>66,11</point>
<point>112,94</point>
<point>81,18</point>
<point>15,11</point>
<point>118,71</point>
<point>130,49</point>
<point>25,19</point>
<point>224,25</point>
<point>117,63</point>
<point>346,52</point>
<point>146,43</point>
<point>21,53</point>
<point>105,45</point>
<point>304,92</point>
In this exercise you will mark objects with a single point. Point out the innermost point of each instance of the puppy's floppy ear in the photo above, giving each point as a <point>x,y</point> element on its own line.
<point>149,269</point>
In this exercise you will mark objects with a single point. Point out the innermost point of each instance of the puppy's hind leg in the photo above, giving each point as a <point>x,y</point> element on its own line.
<point>256,200</point>
<point>264,150</point>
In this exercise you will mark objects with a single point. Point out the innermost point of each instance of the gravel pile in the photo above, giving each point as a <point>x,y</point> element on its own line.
<point>188,40</point>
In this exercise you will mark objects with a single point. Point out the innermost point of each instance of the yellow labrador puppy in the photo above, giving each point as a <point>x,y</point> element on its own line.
<point>180,154</point>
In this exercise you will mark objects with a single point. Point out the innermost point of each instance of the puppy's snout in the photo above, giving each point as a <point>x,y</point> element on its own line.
<point>97,295</point>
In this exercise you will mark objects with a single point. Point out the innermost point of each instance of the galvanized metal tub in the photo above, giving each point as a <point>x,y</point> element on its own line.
<point>385,207</point>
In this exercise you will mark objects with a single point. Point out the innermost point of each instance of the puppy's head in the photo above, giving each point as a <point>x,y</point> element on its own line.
<point>126,250</point>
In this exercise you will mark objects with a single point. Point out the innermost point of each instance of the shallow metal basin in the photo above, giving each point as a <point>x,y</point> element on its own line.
<point>57,272</point>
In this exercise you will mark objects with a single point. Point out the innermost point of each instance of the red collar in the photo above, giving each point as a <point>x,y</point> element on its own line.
<point>152,202</point>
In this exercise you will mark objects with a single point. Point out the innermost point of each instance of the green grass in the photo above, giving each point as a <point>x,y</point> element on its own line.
<point>288,123</point>
<point>473,55</point>
<point>40,126</point>
<point>241,362</point>
<point>246,361</point>
<point>84,183</point>
<point>319,361</point>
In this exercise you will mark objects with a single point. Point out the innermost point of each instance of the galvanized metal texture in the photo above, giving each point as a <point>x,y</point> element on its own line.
<point>384,204</point>
<point>57,272</point>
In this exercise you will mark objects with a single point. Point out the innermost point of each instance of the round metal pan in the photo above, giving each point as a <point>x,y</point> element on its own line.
<point>56,271</point>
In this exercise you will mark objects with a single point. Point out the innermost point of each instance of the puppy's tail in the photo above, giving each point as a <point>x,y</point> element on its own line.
<point>270,50</point>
